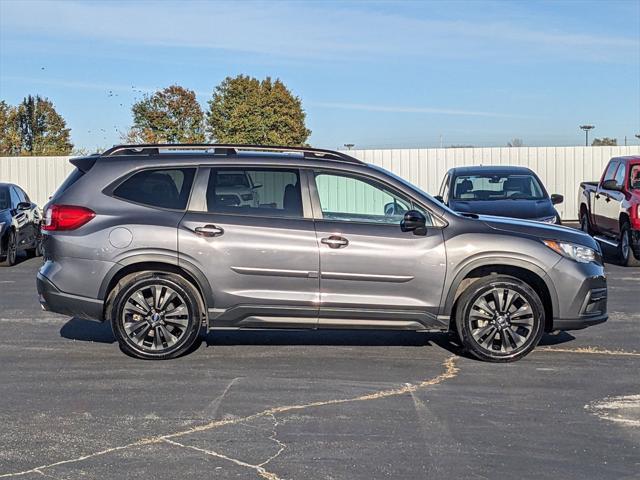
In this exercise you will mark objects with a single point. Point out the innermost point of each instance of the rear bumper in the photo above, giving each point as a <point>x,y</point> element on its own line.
<point>53,300</point>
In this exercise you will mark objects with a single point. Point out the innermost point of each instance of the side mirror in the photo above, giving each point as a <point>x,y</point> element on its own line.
<point>556,198</point>
<point>414,221</point>
<point>610,185</point>
<point>439,198</point>
<point>24,206</point>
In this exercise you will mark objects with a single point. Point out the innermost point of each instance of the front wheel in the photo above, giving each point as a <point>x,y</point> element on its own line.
<point>500,319</point>
<point>11,253</point>
<point>155,315</point>
<point>626,247</point>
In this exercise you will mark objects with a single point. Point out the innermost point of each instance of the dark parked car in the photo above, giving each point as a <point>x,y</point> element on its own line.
<point>146,238</point>
<point>515,192</point>
<point>19,224</point>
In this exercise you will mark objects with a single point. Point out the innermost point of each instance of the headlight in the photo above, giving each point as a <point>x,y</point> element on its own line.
<point>247,196</point>
<point>547,219</point>
<point>578,253</point>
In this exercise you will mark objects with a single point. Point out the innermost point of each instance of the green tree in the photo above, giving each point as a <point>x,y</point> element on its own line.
<point>42,130</point>
<point>9,135</point>
<point>605,142</point>
<point>171,115</point>
<point>246,110</point>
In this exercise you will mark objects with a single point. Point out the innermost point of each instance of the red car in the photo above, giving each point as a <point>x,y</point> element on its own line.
<point>610,209</point>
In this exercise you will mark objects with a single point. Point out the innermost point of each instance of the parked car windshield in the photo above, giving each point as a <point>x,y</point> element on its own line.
<point>634,177</point>
<point>5,202</point>
<point>497,187</point>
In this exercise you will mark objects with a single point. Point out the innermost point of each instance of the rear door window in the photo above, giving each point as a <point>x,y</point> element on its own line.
<point>255,191</point>
<point>162,188</point>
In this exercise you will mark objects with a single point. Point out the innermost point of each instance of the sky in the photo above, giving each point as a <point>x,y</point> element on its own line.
<point>375,74</point>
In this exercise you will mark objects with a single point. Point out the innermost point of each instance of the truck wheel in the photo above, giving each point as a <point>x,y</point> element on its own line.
<point>500,319</point>
<point>11,255</point>
<point>155,315</point>
<point>626,247</point>
<point>585,226</point>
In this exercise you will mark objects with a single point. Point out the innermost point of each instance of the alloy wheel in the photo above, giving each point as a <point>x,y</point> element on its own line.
<point>155,318</point>
<point>12,249</point>
<point>501,320</point>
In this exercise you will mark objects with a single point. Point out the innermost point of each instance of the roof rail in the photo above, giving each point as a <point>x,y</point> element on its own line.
<point>226,149</point>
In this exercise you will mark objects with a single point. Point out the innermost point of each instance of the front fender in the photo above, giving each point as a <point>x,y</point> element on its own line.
<point>493,260</point>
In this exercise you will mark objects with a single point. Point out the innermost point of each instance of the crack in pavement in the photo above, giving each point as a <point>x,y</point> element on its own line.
<point>450,371</point>
<point>258,468</point>
<point>591,350</point>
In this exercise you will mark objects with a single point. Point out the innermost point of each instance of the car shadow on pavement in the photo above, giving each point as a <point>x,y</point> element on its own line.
<point>555,338</point>
<point>87,331</point>
<point>355,338</point>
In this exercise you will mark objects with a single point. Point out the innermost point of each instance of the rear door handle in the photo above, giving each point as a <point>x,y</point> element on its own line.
<point>208,231</point>
<point>608,199</point>
<point>335,241</point>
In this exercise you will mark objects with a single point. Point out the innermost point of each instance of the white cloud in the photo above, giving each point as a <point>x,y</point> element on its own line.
<point>310,31</point>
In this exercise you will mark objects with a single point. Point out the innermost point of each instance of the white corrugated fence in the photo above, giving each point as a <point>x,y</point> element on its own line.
<point>560,168</point>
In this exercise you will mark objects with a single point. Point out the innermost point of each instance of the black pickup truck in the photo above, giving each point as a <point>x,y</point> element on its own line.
<point>610,209</point>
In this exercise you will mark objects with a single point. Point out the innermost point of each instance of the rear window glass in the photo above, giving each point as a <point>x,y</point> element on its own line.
<point>73,177</point>
<point>163,188</point>
<point>257,192</point>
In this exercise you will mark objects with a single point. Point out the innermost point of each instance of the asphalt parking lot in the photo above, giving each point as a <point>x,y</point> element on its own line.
<point>315,405</point>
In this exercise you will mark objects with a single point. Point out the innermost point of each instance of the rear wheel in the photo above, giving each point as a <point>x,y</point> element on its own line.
<point>500,319</point>
<point>12,251</point>
<point>625,249</point>
<point>36,251</point>
<point>155,315</point>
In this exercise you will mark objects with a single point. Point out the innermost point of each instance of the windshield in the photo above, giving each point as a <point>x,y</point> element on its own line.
<point>4,198</point>
<point>634,177</point>
<point>497,187</point>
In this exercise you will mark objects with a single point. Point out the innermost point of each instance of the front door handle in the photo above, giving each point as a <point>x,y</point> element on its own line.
<point>208,231</point>
<point>608,199</point>
<point>335,241</point>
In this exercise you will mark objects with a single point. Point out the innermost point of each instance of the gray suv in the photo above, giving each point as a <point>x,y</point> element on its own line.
<point>155,240</point>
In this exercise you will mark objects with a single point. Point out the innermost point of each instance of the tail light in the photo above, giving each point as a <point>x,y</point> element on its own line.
<point>66,217</point>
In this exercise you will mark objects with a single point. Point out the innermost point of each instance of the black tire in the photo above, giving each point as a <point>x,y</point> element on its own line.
<point>585,225</point>
<point>149,335</point>
<point>36,251</point>
<point>480,328</point>
<point>625,248</point>
<point>9,260</point>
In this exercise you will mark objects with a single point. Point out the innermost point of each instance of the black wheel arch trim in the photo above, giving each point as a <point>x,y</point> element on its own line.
<point>159,260</point>
<point>449,298</point>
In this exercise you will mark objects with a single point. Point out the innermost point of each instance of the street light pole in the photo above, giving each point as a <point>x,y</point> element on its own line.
<point>349,145</point>
<point>586,129</point>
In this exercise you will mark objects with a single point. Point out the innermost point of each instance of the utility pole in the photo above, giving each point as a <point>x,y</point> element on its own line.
<point>586,129</point>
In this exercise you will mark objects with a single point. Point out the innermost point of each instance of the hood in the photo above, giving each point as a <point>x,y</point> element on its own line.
<point>506,208</point>
<point>539,230</point>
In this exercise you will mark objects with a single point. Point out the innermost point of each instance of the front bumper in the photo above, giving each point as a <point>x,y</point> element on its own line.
<point>53,300</point>
<point>582,295</point>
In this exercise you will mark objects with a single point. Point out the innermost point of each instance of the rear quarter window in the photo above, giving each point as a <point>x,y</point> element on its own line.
<point>162,188</point>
